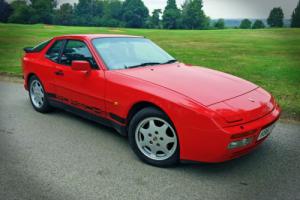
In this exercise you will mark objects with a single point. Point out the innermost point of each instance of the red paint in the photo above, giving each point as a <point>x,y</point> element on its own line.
<point>207,107</point>
<point>80,65</point>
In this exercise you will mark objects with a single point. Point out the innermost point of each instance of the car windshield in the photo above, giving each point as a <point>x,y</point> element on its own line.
<point>124,53</point>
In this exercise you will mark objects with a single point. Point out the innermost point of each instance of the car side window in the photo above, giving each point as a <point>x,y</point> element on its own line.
<point>77,50</point>
<point>54,51</point>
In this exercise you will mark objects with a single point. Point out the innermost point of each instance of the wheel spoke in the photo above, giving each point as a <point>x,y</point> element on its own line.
<point>38,100</point>
<point>41,93</point>
<point>164,149</point>
<point>168,139</point>
<point>153,149</point>
<point>35,86</point>
<point>152,126</point>
<point>144,143</point>
<point>144,131</point>
<point>163,128</point>
<point>34,99</point>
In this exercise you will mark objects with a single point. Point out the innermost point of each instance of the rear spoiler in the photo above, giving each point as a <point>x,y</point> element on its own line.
<point>28,49</point>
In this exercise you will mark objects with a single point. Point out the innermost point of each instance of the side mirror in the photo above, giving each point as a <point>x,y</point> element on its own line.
<point>81,65</point>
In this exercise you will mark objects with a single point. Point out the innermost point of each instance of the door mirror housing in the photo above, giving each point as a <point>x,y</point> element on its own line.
<point>81,65</point>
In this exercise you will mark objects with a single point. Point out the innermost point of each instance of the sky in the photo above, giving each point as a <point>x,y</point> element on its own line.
<point>230,9</point>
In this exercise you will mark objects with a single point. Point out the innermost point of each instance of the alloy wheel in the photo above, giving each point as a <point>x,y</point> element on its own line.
<point>37,94</point>
<point>156,138</point>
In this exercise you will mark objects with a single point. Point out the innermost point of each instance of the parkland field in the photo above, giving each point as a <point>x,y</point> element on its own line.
<point>267,57</point>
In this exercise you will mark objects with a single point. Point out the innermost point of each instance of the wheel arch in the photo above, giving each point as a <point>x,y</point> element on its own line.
<point>135,108</point>
<point>28,79</point>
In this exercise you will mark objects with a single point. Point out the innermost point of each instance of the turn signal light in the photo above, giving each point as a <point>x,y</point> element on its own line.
<point>240,143</point>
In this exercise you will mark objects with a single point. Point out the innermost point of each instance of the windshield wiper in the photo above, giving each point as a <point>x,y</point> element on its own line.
<point>170,61</point>
<point>142,65</point>
<point>150,63</point>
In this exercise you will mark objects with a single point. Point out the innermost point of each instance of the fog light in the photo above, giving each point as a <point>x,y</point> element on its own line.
<point>239,143</point>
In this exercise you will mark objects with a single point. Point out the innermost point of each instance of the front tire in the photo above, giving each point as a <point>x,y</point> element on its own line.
<point>37,95</point>
<point>153,138</point>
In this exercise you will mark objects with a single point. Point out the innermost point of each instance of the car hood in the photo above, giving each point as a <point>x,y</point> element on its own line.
<point>203,85</point>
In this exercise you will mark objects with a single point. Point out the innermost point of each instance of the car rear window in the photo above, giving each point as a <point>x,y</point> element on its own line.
<point>41,46</point>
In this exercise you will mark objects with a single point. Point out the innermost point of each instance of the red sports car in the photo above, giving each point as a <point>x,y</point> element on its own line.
<point>169,111</point>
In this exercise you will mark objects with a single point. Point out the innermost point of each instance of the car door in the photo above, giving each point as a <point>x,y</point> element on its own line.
<point>79,89</point>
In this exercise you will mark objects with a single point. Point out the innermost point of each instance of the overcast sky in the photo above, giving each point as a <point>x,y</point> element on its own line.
<point>231,8</point>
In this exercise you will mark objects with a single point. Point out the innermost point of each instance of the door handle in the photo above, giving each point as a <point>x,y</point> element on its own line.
<point>59,73</point>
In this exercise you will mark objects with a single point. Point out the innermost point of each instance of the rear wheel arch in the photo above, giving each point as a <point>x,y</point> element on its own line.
<point>29,77</point>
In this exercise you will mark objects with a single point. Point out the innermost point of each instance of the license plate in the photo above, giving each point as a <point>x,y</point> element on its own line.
<point>265,132</point>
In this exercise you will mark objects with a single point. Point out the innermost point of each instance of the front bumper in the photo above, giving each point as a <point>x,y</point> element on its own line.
<point>212,145</point>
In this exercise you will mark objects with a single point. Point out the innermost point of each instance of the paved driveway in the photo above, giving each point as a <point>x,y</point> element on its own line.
<point>59,156</point>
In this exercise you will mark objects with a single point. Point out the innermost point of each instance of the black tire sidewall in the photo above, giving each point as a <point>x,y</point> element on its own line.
<point>138,117</point>
<point>46,107</point>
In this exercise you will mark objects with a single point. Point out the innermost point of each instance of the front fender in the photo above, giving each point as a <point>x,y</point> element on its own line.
<point>123,92</point>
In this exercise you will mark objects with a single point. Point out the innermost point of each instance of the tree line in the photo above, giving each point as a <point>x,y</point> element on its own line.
<point>128,13</point>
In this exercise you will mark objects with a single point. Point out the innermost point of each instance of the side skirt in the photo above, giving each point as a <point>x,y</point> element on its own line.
<point>100,120</point>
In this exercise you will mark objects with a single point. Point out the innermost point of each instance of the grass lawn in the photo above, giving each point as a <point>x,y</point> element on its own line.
<point>268,57</point>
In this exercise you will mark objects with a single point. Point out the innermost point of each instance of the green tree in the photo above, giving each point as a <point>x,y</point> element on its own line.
<point>171,15</point>
<point>296,17</point>
<point>220,24</point>
<point>65,14</point>
<point>112,13</point>
<point>97,12</point>
<point>193,16</point>
<point>5,10</point>
<point>134,13</point>
<point>83,12</point>
<point>21,12</point>
<point>43,11</point>
<point>89,12</point>
<point>275,18</point>
<point>155,19</point>
<point>258,24</point>
<point>98,7</point>
<point>245,24</point>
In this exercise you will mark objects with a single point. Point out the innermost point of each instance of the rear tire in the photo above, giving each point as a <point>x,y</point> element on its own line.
<point>153,138</point>
<point>38,96</point>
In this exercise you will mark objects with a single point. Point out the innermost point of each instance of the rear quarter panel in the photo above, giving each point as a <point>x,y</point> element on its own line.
<point>36,64</point>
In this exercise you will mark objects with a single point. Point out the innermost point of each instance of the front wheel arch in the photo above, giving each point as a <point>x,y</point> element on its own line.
<point>135,108</point>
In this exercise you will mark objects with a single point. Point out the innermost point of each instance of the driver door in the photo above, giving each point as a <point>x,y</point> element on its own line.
<point>80,89</point>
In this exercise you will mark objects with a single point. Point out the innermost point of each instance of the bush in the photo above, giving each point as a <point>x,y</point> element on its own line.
<point>220,24</point>
<point>246,24</point>
<point>258,24</point>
